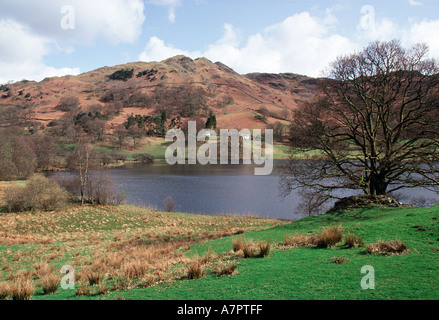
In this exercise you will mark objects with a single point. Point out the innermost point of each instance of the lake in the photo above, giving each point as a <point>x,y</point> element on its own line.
<point>212,189</point>
<point>209,189</point>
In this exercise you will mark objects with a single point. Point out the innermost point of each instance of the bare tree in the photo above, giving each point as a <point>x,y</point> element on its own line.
<point>375,124</point>
<point>82,160</point>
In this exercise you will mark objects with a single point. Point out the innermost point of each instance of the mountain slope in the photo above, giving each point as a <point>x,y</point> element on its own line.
<point>235,99</point>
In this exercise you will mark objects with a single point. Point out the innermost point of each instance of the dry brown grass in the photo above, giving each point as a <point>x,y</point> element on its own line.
<point>238,244</point>
<point>300,240</point>
<point>196,269</point>
<point>338,260</point>
<point>329,237</point>
<point>102,287</point>
<point>83,289</point>
<point>148,281</point>
<point>50,283</point>
<point>353,241</point>
<point>264,249</point>
<point>22,288</point>
<point>42,269</point>
<point>250,249</point>
<point>392,247</point>
<point>146,246</point>
<point>226,268</point>
<point>93,277</point>
<point>5,290</point>
<point>123,283</point>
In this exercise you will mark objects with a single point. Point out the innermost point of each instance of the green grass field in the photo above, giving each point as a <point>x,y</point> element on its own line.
<point>142,253</point>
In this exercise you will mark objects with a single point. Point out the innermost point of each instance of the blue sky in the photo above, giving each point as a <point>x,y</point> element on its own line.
<point>57,37</point>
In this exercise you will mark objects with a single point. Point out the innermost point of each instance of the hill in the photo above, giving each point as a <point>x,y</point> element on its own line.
<point>144,88</point>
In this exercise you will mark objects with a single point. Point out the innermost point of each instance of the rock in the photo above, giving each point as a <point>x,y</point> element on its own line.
<point>362,202</point>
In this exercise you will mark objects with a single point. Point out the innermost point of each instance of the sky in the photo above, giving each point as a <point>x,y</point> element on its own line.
<point>46,38</point>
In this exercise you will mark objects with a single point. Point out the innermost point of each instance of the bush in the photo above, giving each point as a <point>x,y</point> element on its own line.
<point>68,104</point>
<point>329,237</point>
<point>144,158</point>
<point>169,204</point>
<point>40,193</point>
<point>122,74</point>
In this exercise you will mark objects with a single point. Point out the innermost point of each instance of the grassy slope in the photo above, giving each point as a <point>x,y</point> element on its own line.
<point>307,273</point>
<point>78,235</point>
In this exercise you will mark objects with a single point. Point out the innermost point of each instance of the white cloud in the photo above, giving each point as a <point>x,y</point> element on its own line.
<point>157,50</point>
<point>171,4</point>
<point>424,32</point>
<point>22,53</point>
<point>116,21</point>
<point>171,15</point>
<point>415,3</point>
<point>301,43</point>
<point>31,30</point>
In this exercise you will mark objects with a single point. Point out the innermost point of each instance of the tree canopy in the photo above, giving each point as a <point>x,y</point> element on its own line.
<point>375,124</point>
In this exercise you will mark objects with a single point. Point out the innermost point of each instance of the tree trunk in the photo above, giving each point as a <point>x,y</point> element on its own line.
<point>378,185</point>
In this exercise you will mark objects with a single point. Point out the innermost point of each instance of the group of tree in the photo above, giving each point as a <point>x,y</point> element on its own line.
<point>21,154</point>
<point>374,124</point>
<point>122,75</point>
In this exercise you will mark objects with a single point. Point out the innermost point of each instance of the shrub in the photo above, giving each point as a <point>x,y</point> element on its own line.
<point>68,104</point>
<point>391,247</point>
<point>169,204</point>
<point>122,74</point>
<point>329,237</point>
<point>40,193</point>
<point>144,158</point>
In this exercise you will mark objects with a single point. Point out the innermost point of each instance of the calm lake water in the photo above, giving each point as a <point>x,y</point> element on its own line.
<point>213,189</point>
<point>210,189</point>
